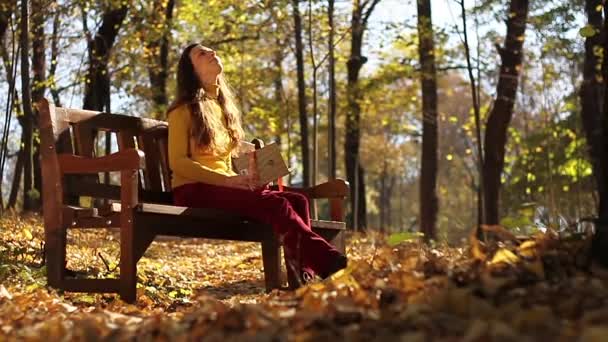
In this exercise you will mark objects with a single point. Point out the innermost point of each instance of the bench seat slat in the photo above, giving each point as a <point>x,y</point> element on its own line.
<point>214,214</point>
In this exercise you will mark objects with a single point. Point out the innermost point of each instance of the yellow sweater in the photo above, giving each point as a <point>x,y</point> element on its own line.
<point>192,164</point>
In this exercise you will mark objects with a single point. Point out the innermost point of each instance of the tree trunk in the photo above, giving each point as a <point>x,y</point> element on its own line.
<point>28,115</point>
<point>38,88</point>
<point>159,70</point>
<point>381,199</point>
<point>301,94</point>
<point>603,183</point>
<point>475,95</point>
<point>5,13</point>
<point>12,198</point>
<point>593,99</point>
<point>277,83</point>
<point>9,67</point>
<point>97,87</point>
<point>392,182</point>
<point>428,77</point>
<point>54,56</point>
<point>354,170</point>
<point>331,120</point>
<point>498,121</point>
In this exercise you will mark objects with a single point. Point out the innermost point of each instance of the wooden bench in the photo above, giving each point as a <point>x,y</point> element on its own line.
<point>70,169</point>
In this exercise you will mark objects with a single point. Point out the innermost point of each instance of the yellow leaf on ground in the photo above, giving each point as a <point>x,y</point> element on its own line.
<point>476,249</point>
<point>504,255</point>
<point>28,235</point>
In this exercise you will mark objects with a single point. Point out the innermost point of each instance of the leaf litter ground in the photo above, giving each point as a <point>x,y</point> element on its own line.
<point>500,289</point>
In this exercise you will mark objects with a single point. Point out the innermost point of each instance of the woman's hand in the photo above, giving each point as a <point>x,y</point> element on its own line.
<point>250,180</point>
<point>239,182</point>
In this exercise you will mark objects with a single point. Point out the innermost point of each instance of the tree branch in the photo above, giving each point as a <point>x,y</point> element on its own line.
<point>368,12</point>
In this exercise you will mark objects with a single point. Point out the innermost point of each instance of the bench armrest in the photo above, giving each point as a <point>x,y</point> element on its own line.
<point>336,188</point>
<point>128,159</point>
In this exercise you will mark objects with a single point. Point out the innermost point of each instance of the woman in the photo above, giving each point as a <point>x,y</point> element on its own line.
<point>204,130</point>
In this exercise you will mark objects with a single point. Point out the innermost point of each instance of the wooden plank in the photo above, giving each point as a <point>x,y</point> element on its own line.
<point>173,210</point>
<point>336,225</point>
<point>84,136</point>
<point>106,121</point>
<point>71,213</point>
<point>126,140</point>
<point>199,228</point>
<point>52,192</point>
<point>337,188</point>
<point>336,209</point>
<point>128,262</point>
<point>111,221</point>
<point>152,171</point>
<point>64,145</point>
<point>91,285</point>
<point>163,148</point>
<point>126,159</point>
<point>64,117</point>
<point>111,191</point>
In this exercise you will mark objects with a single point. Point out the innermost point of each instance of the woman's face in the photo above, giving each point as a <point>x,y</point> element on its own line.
<point>207,65</point>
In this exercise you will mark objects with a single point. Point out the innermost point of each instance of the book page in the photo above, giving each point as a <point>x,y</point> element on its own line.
<point>270,164</point>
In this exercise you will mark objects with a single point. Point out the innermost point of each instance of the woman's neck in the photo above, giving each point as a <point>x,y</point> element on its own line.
<point>212,89</point>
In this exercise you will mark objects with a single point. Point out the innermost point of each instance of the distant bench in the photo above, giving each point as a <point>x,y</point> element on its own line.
<point>70,169</point>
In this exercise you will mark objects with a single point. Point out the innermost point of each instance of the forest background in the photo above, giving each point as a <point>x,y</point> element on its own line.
<point>121,56</point>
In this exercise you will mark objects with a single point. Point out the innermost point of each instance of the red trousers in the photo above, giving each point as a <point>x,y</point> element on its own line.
<point>287,212</point>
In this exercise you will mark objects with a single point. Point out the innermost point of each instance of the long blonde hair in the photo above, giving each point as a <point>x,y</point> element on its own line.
<point>204,122</point>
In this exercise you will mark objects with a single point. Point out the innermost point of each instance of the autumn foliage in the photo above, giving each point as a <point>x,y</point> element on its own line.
<point>502,288</point>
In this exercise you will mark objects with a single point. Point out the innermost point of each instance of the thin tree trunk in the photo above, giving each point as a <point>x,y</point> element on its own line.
<point>354,170</point>
<point>389,202</point>
<point>97,87</point>
<point>301,94</point>
<point>12,198</point>
<point>39,70</point>
<point>159,71</point>
<point>428,169</point>
<point>476,109</point>
<point>331,121</point>
<point>54,56</point>
<point>382,200</point>
<point>315,121</point>
<point>5,12</point>
<point>9,63</point>
<point>28,117</point>
<point>278,83</point>
<point>502,111</point>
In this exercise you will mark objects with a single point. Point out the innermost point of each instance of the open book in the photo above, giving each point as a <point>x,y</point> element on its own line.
<point>270,163</point>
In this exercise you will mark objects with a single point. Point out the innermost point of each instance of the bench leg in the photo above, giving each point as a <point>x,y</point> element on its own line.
<point>54,250</point>
<point>128,264</point>
<point>128,259</point>
<point>272,263</point>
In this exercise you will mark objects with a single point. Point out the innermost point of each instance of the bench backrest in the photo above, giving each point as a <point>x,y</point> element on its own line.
<point>74,131</point>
